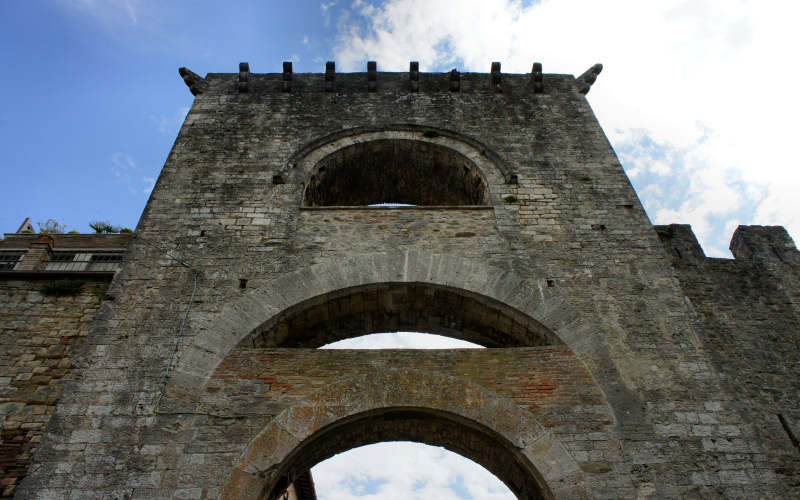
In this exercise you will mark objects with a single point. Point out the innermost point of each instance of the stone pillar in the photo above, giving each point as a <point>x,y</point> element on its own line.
<point>38,255</point>
<point>763,243</point>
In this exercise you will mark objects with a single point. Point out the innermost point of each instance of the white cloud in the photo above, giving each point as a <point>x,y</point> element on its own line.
<point>124,169</point>
<point>401,340</point>
<point>122,164</point>
<point>108,11</point>
<point>325,9</point>
<point>708,81</point>
<point>170,126</point>
<point>161,122</point>
<point>405,470</point>
<point>149,183</point>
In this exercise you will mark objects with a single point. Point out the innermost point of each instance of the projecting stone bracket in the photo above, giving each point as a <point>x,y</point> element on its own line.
<point>196,83</point>
<point>586,80</point>
<point>287,76</point>
<point>455,81</point>
<point>413,75</point>
<point>497,77</point>
<point>536,78</point>
<point>330,76</point>
<point>244,76</point>
<point>372,76</point>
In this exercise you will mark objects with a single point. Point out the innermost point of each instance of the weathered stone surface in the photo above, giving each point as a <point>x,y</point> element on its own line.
<point>39,337</point>
<point>614,369</point>
<point>748,311</point>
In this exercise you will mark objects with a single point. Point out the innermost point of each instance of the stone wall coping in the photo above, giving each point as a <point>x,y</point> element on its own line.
<point>414,207</point>
<point>69,241</point>
<point>50,275</point>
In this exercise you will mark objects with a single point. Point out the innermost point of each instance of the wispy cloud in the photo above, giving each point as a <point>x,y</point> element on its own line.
<point>678,65</point>
<point>125,171</point>
<point>170,125</point>
<point>405,470</point>
<point>325,10</point>
<point>149,184</point>
<point>108,11</point>
<point>161,122</point>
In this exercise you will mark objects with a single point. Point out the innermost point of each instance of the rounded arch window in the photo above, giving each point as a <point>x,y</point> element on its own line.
<point>395,171</point>
<point>468,438</point>
<point>400,307</point>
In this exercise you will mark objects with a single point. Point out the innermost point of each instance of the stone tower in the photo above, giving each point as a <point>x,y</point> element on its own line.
<point>620,362</point>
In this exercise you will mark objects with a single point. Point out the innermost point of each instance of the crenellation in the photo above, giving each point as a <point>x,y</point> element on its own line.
<point>764,244</point>
<point>536,78</point>
<point>455,81</point>
<point>330,76</point>
<point>413,76</point>
<point>372,76</point>
<point>497,77</point>
<point>431,82</point>
<point>749,342</point>
<point>288,76</point>
<point>680,243</point>
<point>244,76</point>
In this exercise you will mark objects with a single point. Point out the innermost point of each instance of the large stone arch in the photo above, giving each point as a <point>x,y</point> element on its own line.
<point>490,165</point>
<point>400,306</point>
<point>389,405</point>
<point>396,170</point>
<point>212,336</point>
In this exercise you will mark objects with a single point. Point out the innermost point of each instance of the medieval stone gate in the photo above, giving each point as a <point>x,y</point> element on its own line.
<point>264,239</point>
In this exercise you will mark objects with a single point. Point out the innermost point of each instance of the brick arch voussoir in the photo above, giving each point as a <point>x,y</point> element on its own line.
<point>261,464</point>
<point>214,336</point>
<point>495,169</point>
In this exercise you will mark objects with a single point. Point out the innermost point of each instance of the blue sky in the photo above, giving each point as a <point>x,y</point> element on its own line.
<point>94,100</point>
<point>697,97</point>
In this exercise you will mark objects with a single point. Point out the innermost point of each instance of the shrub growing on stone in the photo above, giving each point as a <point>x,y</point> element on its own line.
<point>62,288</point>
<point>103,227</point>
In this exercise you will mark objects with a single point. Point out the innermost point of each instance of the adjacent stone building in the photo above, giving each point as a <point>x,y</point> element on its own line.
<point>299,209</point>
<point>51,286</point>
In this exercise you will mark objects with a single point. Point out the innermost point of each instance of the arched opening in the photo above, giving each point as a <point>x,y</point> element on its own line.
<point>394,307</point>
<point>401,340</point>
<point>395,171</point>
<point>403,469</point>
<point>432,427</point>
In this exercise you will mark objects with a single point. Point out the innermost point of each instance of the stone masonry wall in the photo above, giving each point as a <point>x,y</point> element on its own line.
<point>469,232</point>
<point>750,319</point>
<point>39,336</point>
<point>550,382</point>
<point>228,207</point>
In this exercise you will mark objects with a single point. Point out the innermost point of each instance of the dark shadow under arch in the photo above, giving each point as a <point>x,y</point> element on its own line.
<point>434,427</point>
<point>389,307</point>
<point>395,171</point>
<point>355,134</point>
